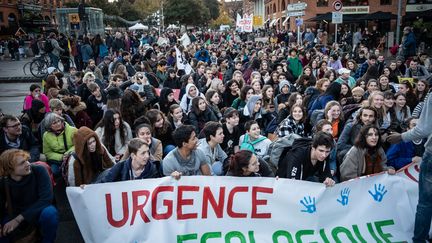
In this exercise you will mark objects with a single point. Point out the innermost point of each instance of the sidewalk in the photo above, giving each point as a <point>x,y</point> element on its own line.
<point>12,71</point>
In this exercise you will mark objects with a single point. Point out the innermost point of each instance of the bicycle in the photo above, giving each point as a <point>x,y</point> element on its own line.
<point>39,65</point>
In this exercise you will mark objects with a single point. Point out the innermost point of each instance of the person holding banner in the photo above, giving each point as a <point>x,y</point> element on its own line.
<point>135,167</point>
<point>308,159</point>
<point>244,164</point>
<point>185,159</point>
<point>424,207</point>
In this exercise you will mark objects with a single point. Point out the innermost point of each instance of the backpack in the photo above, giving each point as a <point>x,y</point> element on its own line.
<point>64,168</point>
<point>103,50</point>
<point>48,47</point>
<point>279,148</point>
<point>248,145</point>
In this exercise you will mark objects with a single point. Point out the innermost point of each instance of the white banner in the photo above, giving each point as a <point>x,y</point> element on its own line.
<point>379,208</point>
<point>182,63</point>
<point>244,24</point>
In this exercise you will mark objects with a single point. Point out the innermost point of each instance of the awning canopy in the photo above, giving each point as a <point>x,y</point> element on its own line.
<point>379,16</point>
<point>138,26</point>
<point>328,17</point>
<point>265,22</point>
<point>419,14</point>
<point>355,17</point>
<point>286,20</point>
<point>273,22</point>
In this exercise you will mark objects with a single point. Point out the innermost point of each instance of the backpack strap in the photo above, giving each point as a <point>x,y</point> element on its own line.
<point>258,140</point>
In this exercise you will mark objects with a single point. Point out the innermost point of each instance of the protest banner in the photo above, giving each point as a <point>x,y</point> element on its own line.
<point>378,208</point>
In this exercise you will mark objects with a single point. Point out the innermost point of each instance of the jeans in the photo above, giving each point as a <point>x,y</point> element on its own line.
<point>47,223</point>
<point>424,206</point>
<point>54,60</point>
<point>55,167</point>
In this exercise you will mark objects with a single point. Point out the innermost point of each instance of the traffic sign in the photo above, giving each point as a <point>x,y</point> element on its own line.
<point>74,18</point>
<point>296,7</point>
<point>296,14</point>
<point>337,17</point>
<point>299,22</point>
<point>337,5</point>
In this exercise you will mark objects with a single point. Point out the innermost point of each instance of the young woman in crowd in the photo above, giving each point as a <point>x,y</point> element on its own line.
<point>422,88</point>
<point>200,114</point>
<point>406,88</point>
<point>371,86</point>
<point>346,94</point>
<point>245,93</point>
<point>161,128</point>
<point>232,92</point>
<point>366,157</point>
<point>89,160</point>
<point>186,101</point>
<point>131,106</point>
<point>333,113</point>
<point>332,93</point>
<point>114,133</point>
<point>294,123</point>
<point>213,101</point>
<point>175,116</point>
<point>35,93</point>
<point>384,84</point>
<point>166,100</point>
<point>244,164</point>
<point>401,107</point>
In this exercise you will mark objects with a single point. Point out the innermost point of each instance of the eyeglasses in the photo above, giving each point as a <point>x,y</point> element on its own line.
<point>15,125</point>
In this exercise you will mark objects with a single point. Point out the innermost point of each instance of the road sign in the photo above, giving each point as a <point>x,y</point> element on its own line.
<point>296,7</point>
<point>296,14</point>
<point>299,22</point>
<point>74,18</point>
<point>337,17</point>
<point>337,5</point>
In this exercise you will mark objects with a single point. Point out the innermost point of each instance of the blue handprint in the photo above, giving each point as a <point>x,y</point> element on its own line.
<point>380,191</point>
<point>344,196</point>
<point>309,204</point>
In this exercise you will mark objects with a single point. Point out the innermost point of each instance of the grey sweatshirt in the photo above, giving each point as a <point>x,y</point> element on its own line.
<point>424,126</point>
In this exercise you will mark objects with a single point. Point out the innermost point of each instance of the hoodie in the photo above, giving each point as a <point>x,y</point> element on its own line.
<point>83,169</point>
<point>186,100</point>
<point>250,105</point>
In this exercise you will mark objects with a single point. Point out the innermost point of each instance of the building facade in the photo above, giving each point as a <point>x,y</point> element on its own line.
<point>356,13</point>
<point>30,15</point>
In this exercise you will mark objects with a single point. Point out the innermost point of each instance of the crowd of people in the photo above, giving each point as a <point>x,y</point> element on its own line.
<point>208,104</point>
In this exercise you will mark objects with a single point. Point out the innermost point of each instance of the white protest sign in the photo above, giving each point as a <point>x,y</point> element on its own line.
<point>232,209</point>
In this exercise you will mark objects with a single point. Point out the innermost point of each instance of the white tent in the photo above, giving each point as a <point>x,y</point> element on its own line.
<point>138,26</point>
<point>172,27</point>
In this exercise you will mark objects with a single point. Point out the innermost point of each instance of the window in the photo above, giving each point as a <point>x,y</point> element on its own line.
<point>386,2</point>
<point>322,3</point>
<point>1,17</point>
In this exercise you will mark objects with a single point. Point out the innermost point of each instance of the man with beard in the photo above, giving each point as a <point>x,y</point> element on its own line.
<point>91,67</point>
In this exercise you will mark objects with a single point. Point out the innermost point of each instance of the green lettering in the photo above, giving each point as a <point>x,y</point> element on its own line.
<point>357,233</point>
<point>284,233</point>
<point>385,236</point>
<point>371,231</point>
<point>183,238</point>
<point>235,234</point>
<point>210,235</point>
<point>300,233</point>
<point>344,230</point>
<point>324,236</point>
<point>251,236</point>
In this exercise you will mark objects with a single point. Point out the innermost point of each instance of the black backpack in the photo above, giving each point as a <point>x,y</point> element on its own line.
<point>48,47</point>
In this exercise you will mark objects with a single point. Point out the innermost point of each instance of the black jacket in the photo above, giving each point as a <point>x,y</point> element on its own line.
<point>122,172</point>
<point>297,164</point>
<point>27,142</point>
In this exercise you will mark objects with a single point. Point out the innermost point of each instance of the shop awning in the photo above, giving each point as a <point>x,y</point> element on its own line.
<point>328,17</point>
<point>286,20</point>
<point>379,16</point>
<point>265,22</point>
<point>273,22</point>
